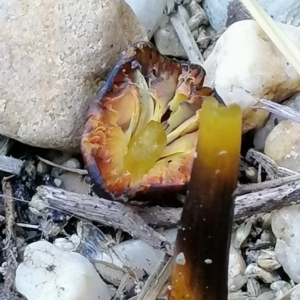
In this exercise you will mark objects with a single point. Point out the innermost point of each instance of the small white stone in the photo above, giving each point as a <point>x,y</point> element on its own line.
<point>74,183</point>
<point>236,270</point>
<point>268,261</point>
<point>49,273</point>
<point>282,145</point>
<point>208,261</point>
<point>285,225</point>
<point>72,163</point>
<point>203,40</point>
<point>180,259</point>
<point>42,168</point>
<point>57,182</point>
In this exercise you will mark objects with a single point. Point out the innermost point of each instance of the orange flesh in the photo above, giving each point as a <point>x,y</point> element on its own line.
<point>204,234</point>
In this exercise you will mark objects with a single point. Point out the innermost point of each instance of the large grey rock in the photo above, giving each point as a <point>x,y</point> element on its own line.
<point>52,55</point>
<point>222,13</point>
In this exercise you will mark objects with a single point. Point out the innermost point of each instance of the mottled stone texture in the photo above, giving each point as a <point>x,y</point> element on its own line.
<point>222,13</point>
<point>52,55</point>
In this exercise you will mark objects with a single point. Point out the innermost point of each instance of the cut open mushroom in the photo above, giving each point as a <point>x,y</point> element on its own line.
<point>141,131</point>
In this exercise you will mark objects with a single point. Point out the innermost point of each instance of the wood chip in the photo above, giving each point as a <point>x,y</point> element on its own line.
<point>11,165</point>
<point>9,250</point>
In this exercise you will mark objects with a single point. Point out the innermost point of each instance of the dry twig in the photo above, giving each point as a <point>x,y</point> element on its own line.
<point>186,38</point>
<point>134,219</point>
<point>9,249</point>
<point>50,163</point>
<point>156,280</point>
<point>110,213</point>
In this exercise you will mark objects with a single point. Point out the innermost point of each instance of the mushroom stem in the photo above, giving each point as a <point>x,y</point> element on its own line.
<point>200,270</point>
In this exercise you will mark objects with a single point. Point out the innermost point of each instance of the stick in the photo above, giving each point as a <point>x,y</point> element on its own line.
<point>133,219</point>
<point>110,213</point>
<point>249,204</point>
<point>50,163</point>
<point>186,38</point>
<point>10,165</point>
<point>9,249</point>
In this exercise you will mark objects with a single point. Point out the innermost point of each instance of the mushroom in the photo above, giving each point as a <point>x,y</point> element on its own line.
<point>200,262</point>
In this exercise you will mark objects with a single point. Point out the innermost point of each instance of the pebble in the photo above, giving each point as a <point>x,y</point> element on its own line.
<point>283,145</point>
<point>281,288</point>
<point>197,20</point>
<point>236,270</point>
<point>222,13</point>
<point>168,43</point>
<point>241,68</point>
<point>57,80</point>
<point>285,226</point>
<point>198,16</point>
<point>42,168</point>
<point>268,236</point>
<point>267,260</point>
<point>74,182</point>
<point>72,163</point>
<point>196,9</point>
<point>273,120</point>
<point>149,13</point>
<point>57,182</point>
<point>56,172</point>
<point>203,39</point>
<point>49,273</point>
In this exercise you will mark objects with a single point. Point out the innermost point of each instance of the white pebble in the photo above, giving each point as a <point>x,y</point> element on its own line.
<point>72,163</point>
<point>180,259</point>
<point>236,272</point>
<point>49,273</point>
<point>285,226</point>
<point>57,182</point>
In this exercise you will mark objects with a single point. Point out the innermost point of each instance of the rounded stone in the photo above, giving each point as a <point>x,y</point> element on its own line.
<point>52,56</point>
